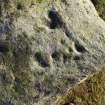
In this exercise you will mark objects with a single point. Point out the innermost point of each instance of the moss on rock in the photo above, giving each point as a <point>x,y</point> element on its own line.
<point>48,74</point>
<point>100,6</point>
<point>90,92</point>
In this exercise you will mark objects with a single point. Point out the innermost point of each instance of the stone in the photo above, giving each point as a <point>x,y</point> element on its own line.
<point>54,46</point>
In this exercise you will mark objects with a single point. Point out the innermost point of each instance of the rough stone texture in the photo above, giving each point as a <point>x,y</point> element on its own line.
<point>89,92</point>
<point>47,47</point>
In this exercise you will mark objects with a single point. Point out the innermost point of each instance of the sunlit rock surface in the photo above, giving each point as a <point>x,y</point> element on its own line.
<point>47,47</point>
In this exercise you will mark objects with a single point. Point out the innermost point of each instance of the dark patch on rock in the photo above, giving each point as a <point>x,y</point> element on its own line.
<point>63,41</point>
<point>65,2</point>
<point>70,35</point>
<point>66,57</point>
<point>56,55</point>
<point>7,103</point>
<point>66,104</point>
<point>4,28</point>
<point>4,47</point>
<point>42,59</point>
<point>95,2</point>
<point>19,6</point>
<point>56,21</point>
<point>80,48</point>
<point>77,58</point>
<point>70,49</point>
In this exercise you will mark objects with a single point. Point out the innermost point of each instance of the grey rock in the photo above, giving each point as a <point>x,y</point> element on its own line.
<point>51,50</point>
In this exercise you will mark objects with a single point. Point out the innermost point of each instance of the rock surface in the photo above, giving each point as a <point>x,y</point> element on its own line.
<point>89,92</point>
<point>47,47</point>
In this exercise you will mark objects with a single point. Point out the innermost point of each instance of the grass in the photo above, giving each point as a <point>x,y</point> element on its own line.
<point>90,92</point>
<point>100,6</point>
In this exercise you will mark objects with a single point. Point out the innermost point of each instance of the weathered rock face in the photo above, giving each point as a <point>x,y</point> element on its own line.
<point>89,92</point>
<point>47,47</point>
